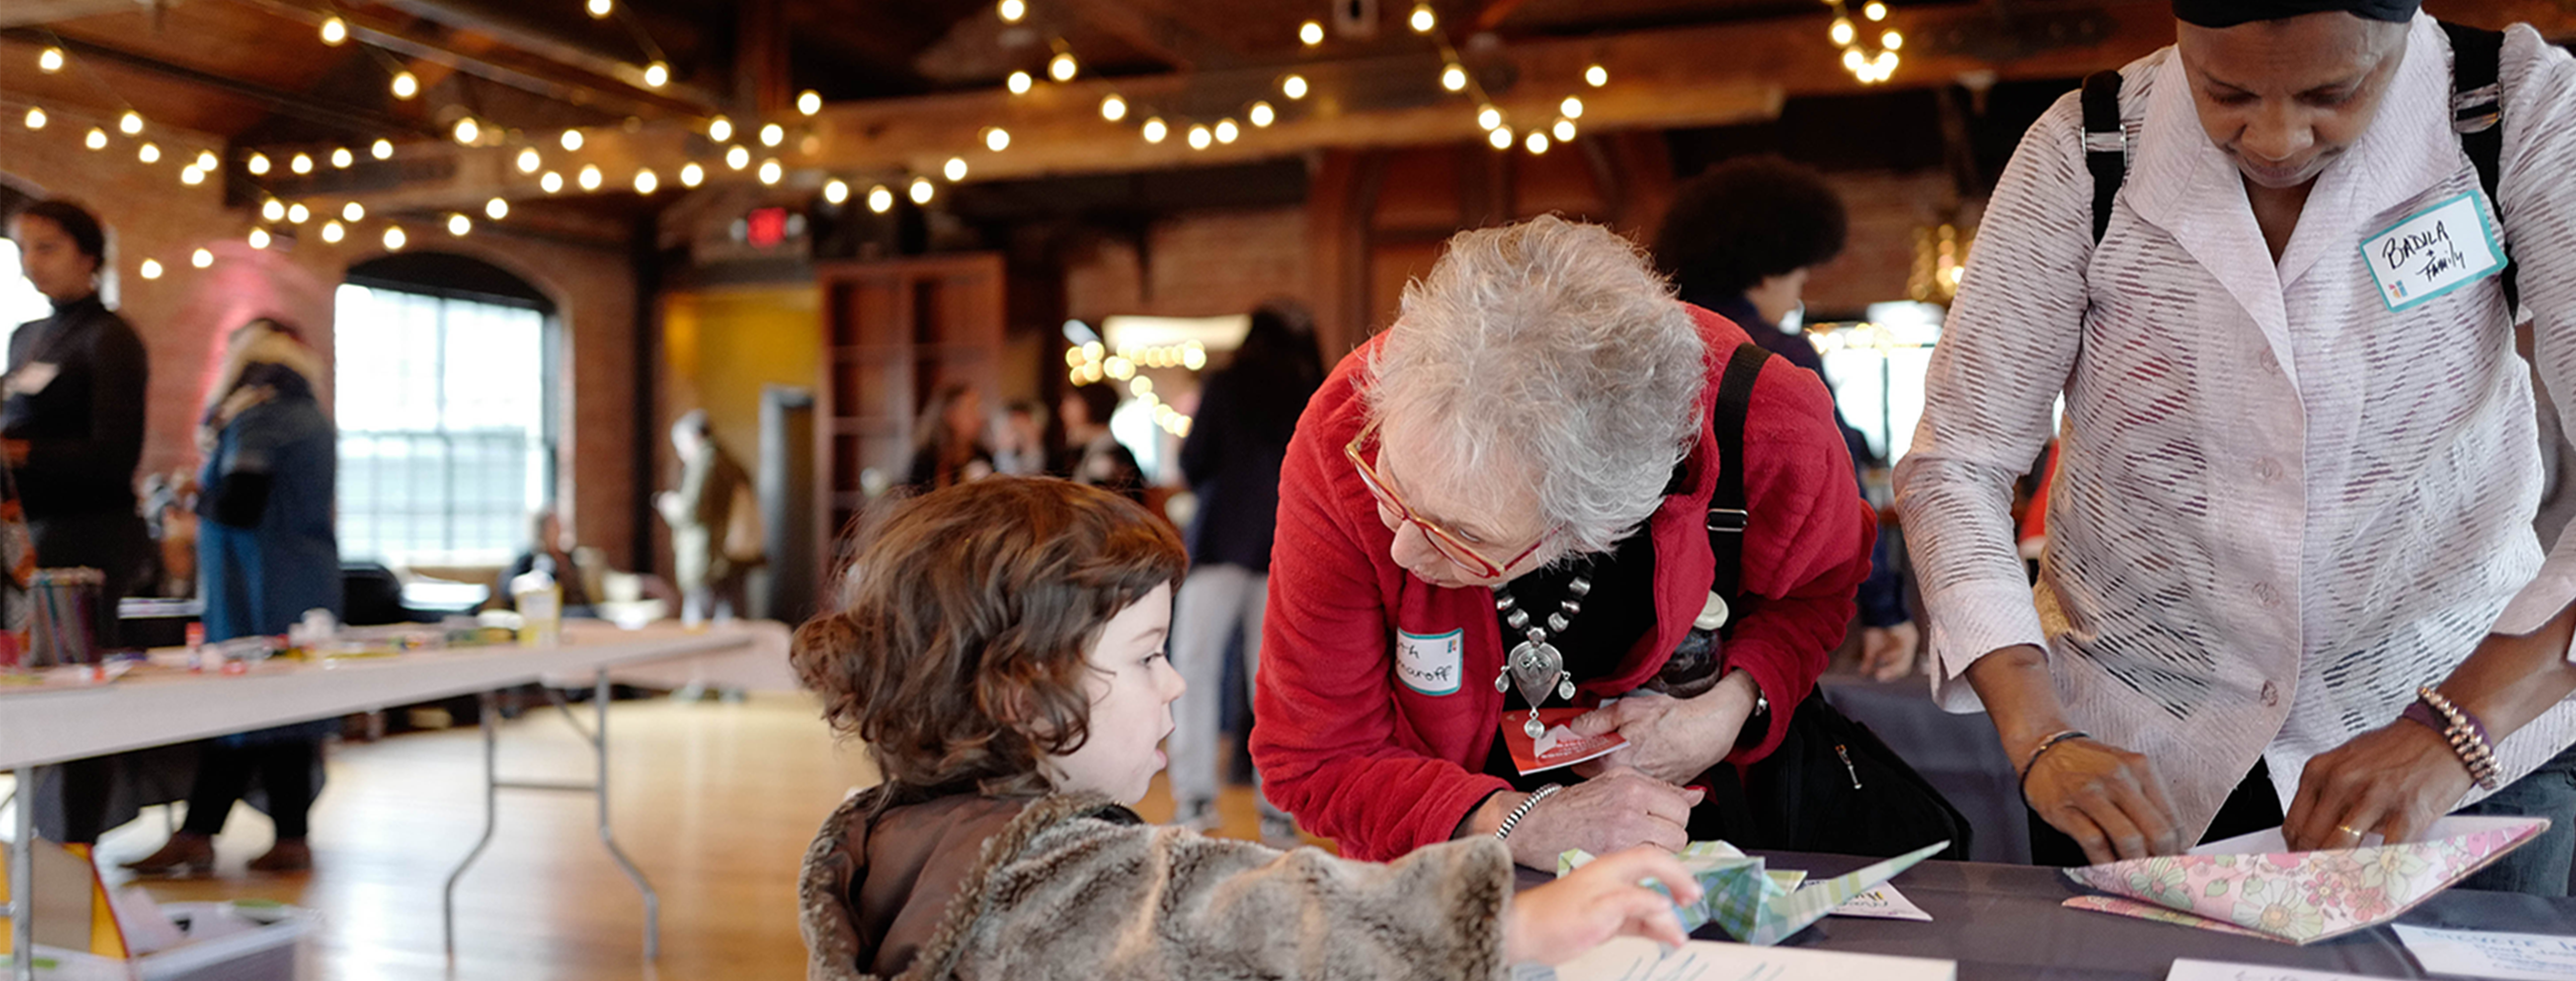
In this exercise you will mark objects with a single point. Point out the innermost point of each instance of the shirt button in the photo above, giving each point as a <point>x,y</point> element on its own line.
<point>2268,469</point>
<point>2271,363</point>
<point>2271,695</point>
<point>2268,596</point>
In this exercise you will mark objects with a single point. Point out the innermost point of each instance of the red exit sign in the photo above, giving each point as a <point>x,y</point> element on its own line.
<point>766,228</point>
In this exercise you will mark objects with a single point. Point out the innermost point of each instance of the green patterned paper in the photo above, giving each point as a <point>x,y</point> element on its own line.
<point>1754,904</point>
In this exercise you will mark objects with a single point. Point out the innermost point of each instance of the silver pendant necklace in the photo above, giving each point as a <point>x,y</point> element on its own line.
<point>1535,666</point>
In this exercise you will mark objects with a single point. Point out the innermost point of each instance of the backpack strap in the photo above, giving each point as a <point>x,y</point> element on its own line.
<point>2106,145</point>
<point>1727,517</point>
<point>2477,114</point>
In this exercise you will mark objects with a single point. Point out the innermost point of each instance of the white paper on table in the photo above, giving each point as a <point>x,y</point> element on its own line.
<point>2527,956</point>
<point>2273,842</point>
<point>2186,969</point>
<point>1882,903</point>
<point>1639,959</point>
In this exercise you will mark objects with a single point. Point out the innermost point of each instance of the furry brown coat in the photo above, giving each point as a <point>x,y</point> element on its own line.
<point>1073,887</point>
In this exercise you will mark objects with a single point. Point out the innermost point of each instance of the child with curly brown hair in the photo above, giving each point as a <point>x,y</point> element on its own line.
<point>999,649</point>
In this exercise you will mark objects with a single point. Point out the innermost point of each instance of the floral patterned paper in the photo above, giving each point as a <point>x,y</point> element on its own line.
<point>2299,897</point>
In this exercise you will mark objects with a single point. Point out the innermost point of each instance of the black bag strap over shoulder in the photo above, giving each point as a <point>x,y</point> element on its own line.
<point>2106,145</point>
<point>1727,516</point>
<point>2477,114</point>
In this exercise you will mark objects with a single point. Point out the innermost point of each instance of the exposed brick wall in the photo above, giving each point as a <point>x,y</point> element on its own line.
<point>1203,264</point>
<point>1885,208</point>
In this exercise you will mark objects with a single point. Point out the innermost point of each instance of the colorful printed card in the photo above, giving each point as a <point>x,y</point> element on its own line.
<point>1755,905</point>
<point>1559,745</point>
<point>2253,885</point>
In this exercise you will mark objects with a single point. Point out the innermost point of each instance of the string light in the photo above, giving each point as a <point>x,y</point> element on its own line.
<point>342,158</point>
<point>1501,138</point>
<point>302,164</point>
<point>880,200</point>
<point>552,182</point>
<point>259,238</point>
<point>1875,11</point>
<point>1572,107</point>
<point>1020,82</point>
<point>1423,20</point>
<point>395,239</point>
<point>809,102</point>
<point>646,182</point>
<point>496,209</point>
<point>468,131</point>
<point>656,75</point>
<point>1155,130</point>
<point>1200,137</point>
<point>590,177</point>
<point>1537,143</point>
<point>1062,67</point>
<point>1112,108</point>
<point>1293,86</point>
<point>1869,67</point>
<point>191,176</point>
<point>1310,33</point>
<point>737,158</point>
<point>1842,32</point>
<point>297,213</point>
<point>1891,40</point>
<point>201,258</point>
<point>773,135</point>
<point>1489,118</point>
<point>956,169</point>
<point>332,232</point>
<point>922,190</point>
<point>131,123</point>
<point>1453,77</point>
<point>335,31</point>
<point>273,210</point>
<point>691,175</point>
<point>458,225</point>
<point>96,140</point>
<point>771,172</point>
<point>354,211</point>
<point>1261,114</point>
<point>258,161</point>
<point>151,269</point>
<point>406,85</point>
<point>1564,130</point>
<point>571,140</point>
<point>530,160</point>
<point>837,191</point>
<point>719,129</point>
<point>1596,76</point>
<point>997,139</point>
<point>50,60</point>
<point>35,118</point>
<point>1013,10</point>
<point>601,8</point>
<point>148,153</point>
<point>382,150</point>
<point>1227,131</point>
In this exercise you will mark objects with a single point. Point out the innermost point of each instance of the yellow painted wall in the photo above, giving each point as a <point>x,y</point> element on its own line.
<point>722,345</point>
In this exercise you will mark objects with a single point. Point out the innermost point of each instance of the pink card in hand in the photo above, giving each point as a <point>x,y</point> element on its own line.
<point>1559,745</point>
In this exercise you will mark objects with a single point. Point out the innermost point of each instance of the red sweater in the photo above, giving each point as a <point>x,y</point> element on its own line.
<point>1372,761</point>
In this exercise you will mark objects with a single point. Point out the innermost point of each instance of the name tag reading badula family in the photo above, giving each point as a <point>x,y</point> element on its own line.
<point>2439,249</point>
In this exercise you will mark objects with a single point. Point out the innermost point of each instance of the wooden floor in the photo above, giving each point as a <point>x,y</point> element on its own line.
<point>714,801</point>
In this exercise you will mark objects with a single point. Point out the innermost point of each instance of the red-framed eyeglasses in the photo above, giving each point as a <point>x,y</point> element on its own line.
<point>1446,542</point>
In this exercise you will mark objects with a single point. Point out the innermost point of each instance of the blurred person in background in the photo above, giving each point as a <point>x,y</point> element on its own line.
<point>550,548</point>
<point>948,444</point>
<point>1238,438</point>
<point>1020,447</point>
<point>715,527</point>
<point>1092,455</point>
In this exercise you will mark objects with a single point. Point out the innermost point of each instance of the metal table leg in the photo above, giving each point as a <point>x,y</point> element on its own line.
<point>597,736</point>
<point>22,881</point>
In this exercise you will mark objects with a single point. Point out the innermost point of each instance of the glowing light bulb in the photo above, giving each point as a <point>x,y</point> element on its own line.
<point>529,160</point>
<point>468,131</point>
<point>131,123</point>
<point>737,158</point>
<point>1062,67</point>
<point>552,182</point>
<point>1113,108</point>
<point>151,269</point>
<point>1200,137</point>
<point>571,140</point>
<point>657,75</point>
<point>354,212</point>
<point>273,210</point>
<point>302,164</point>
<point>955,170</point>
<point>201,258</point>
<point>1876,11</point>
<point>1019,83</point>
<point>1596,76</point>
<point>1012,10</point>
<point>771,171</point>
<point>148,153</point>
<point>406,85</point>
<point>96,140</point>
<point>191,176</point>
<point>259,238</point>
<point>1227,131</point>
<point>258,161</point>
<point>342,158</point>
<point>1293,86</point>
<point>1564,130</point>
<point>35,118</point>
<point>1854,60</point>
<point>297,213</point>
<point>1155,130</point>
<point>1886,64</point>
<point>809,102</point>
<point>590,177</point>
<point>1891,40</point>
<point>332,232</point>
<point>719,129</point>
<point>458,225</point>
<point>395,239</point>
<point>496,209</point>
<point>1489,118</point>
<point>1422,20</point>
<point>1842,31</point>
<point>206,160</point>
<point>601,8</point>
<point>922,190</point>
<point>1572,107</point>
<point>692,175</point>
<point>773,135</point>
<point>50,60</point>
<point>1453,78</point>
<point>1310,33</point>
<point>646,182</point>
<point>997,139</point>
<point>335,31</point>
<point>1501,138</point>
<point>836,191</point>
<point>880,200</point>
<point>1261,114</point>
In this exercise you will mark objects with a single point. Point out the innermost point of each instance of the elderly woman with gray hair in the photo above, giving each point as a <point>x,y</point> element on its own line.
<point>1526,458</point>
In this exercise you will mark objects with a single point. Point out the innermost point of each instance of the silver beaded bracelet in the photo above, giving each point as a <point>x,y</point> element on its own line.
<point>1514,818</point>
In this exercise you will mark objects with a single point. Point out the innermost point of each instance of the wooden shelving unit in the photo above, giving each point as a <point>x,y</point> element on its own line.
<point>895,331</point>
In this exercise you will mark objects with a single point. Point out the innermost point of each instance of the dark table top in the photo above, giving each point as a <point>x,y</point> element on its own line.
<point>2003,923</point>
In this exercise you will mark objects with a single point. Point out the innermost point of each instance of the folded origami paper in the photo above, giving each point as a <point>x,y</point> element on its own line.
<point>1756,905</point>
<point>2254,885</point>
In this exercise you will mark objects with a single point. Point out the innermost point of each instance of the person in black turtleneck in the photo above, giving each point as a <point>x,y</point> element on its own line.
<point>71,425</point>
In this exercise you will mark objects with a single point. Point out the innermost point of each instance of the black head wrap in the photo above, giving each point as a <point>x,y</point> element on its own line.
<point>2229,13</point>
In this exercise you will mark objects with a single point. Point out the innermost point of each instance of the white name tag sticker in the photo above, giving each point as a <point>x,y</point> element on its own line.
<point>1430,664</point>
<point>2439,249</point>
<point>32,377</point>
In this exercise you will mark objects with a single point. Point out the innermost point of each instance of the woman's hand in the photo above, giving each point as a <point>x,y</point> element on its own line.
<point>2108,799</point>
<point>2394,780</point>
<point>1557,922</point>
<point>1671,739</point>
<point>1619,809</point>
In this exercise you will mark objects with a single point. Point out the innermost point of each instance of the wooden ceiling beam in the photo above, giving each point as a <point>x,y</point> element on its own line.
<point>551,48</point>
<point>395,38</point>
<point>1153,30</point>
<point>355,119</point>
<point>21,13</point>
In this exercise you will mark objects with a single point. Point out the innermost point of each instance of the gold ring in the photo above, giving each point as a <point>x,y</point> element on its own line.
<point>2347,829</point>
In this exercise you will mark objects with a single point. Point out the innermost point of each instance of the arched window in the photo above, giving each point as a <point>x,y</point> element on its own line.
<point>444,395</point>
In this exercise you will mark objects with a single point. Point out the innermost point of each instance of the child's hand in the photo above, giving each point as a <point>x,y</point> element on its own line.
<point>1557,922</point>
